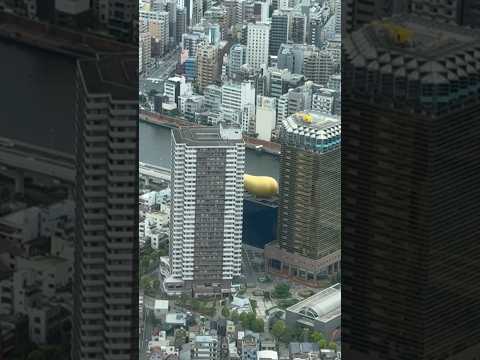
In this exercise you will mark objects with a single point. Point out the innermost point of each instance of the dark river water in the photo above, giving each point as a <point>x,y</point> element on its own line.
<point>37,105</point>
<point>37,96</point>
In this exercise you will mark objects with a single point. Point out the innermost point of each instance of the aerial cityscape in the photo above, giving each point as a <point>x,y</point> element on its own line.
<point>240,138</point>
<point>240,180</point>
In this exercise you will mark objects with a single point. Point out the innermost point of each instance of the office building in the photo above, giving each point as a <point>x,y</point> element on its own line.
<point>158,28</point>
<point>190,68</point>
<point>280,81</point>
<point>191,41</point>
<point>308,246</point>
<point>207,203</point>
<point>299,28</point>
<point>194,11</point>
<point>172,22</point>
<point>181,23</point>
<point>295,100</point>
<point>266,117</point>
<point>236,58</point>
<point>292,57</point>
<point>318,65</point>
<point>218,15</point>
<point>257,45</point>
<point>208,66</point>
<point>238,104</point>
<point>409,267</point>
<point>105,294</point>
<point>278,31</point>
<point>323,100</point>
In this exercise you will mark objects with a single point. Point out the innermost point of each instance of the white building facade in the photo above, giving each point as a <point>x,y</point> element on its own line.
<point>207,210</point>
<point>257,45</point>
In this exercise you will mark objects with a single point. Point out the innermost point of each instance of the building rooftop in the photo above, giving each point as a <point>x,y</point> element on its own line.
<point>161,304</point>
<point>176,318</point>
<point>419,64</point>
<point>113,74</point>
<point>415,47</point>
<point>323,306</point>
<point>267,354</point>
<point>303,347</point>
<point>312,130</point>
<point>207,136</point>
<point>205,338</point>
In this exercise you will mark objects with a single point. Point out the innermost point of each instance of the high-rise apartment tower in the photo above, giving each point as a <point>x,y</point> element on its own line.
<point>105,294</point>
<point>207,207</point>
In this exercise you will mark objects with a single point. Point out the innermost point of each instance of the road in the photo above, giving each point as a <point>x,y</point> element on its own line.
<point>162,70</point>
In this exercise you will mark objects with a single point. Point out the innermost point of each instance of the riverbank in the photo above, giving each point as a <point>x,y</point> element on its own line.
<point>172,122</point>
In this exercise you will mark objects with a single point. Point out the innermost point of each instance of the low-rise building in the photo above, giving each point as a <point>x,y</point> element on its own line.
<point>205,347</point>
<point>160,309</point>
<point>320,312</point>
<point>267,355</point>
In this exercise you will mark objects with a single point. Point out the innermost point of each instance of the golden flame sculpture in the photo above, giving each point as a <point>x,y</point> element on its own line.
<point>262,186</point>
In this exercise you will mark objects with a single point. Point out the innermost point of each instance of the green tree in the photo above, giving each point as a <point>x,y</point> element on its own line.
<point>281,291</point>
<point>156,284</point>
<point>146,282</point>
<point>316,336</point>
<point>332,345</point>
<point>323,344</point>
<point>243,319</point>
<point>288,335</point>
<point>234,316</point>
<point>279,329</point>
<point>225,312</point>
<point>258,325</point>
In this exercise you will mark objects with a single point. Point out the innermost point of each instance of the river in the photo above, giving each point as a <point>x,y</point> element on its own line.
<point>39,105</point>
<point>155,149</point>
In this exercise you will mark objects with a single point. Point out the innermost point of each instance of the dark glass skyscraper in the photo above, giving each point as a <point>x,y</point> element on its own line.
<point>410,193</point>
<point>308,247</point>
<point>278,32</point>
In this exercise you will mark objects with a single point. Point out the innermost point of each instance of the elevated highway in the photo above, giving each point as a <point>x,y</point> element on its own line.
<point>18,158</point>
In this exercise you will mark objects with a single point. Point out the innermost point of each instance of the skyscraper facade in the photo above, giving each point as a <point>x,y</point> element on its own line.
<point>308,246</point>
<point>410,174</point>
<point>299,28</point>
<point>208,67</point>
<point>257,45</point>
<point>278,31</point>
<point>105,294</point>
<point>460,12</point>
<point>236,58</point>
<point>207,205</point>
